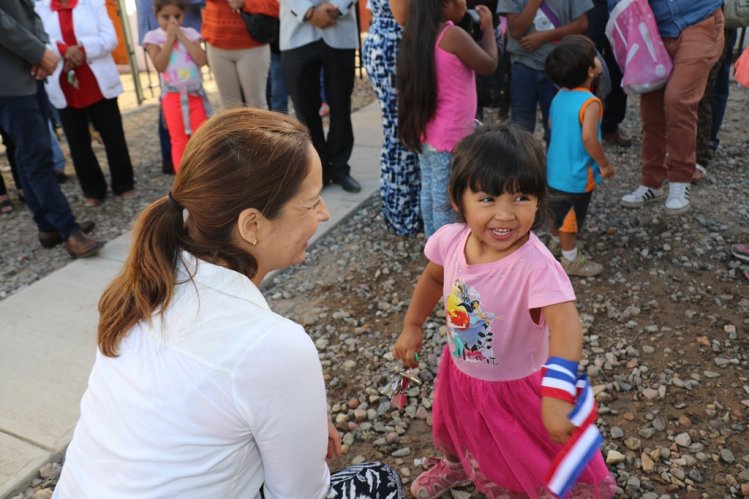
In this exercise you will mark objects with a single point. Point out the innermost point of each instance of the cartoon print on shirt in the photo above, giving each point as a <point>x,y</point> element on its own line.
<point>469,325</point>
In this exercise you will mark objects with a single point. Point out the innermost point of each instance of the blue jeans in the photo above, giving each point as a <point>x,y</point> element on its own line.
<point>58,158</point>
<point>25,119</point>
<point>435,175</point>
<point>279,94</point>
<point>529,87</point>
<point>165,142</point>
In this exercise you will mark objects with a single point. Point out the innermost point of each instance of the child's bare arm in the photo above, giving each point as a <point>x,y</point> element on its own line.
<point>399,8</point>
<point>518,24</point>
<point>591,118</point>
<point>483,57</point>
<point>194,48</point>
<point>566,341</point>
<point>532,41</point>
<point>159,55</point>
<point>427,293</point>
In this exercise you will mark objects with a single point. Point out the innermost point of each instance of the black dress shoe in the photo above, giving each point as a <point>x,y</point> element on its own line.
<point>348,183</point>
<point>61,177</point>
<point>50,239</point>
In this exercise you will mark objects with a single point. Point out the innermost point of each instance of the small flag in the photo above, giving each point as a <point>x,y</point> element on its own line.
<point>584,443</point>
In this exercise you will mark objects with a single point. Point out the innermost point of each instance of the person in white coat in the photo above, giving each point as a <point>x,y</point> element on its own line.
<point>85,86</point>
<point>199,390</point>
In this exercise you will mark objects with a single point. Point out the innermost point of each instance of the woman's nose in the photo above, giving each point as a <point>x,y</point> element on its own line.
<point>323,215</point>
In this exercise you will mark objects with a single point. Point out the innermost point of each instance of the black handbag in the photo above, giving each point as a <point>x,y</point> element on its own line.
<point>262,28</point>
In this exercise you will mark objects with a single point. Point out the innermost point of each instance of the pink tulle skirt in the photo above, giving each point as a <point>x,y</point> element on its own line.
<point>495,428</point>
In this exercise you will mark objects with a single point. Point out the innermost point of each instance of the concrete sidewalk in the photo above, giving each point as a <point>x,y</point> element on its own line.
<point>48,330</point>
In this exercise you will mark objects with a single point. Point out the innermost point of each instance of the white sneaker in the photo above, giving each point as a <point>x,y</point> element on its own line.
<point>678,198</point>
<point>641,196</point>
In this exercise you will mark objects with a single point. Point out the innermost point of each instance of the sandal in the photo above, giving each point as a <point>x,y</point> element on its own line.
<point>6,207</point>
<point>92,202</point>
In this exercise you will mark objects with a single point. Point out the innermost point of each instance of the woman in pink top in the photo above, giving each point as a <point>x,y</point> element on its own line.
<point>499,419</point>
<point>437,93</point>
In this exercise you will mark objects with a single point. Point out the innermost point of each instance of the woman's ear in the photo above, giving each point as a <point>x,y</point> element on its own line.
<point>248,225</point>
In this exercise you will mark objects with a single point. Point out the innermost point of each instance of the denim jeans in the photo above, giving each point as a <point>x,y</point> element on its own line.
<point>278,99</point>
<point>25,119</point>
<point>435,175</point>
<point>164,141</point>
<point>58,158</point>
<point>529,87</point>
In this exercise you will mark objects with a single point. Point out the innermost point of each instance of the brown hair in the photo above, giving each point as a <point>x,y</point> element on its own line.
<point>498,159</point>
<point>240,159</point>
<point>160,4</point>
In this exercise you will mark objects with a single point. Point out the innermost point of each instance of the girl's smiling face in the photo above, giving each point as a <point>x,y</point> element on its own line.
<point>499,224</point>
<point>168,14</point>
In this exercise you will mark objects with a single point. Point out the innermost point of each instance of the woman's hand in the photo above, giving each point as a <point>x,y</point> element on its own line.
<point>554,416</point>
<point>408,344</point>
<point>236,4</point>
<point>74,57</point>
<point>334,441</point>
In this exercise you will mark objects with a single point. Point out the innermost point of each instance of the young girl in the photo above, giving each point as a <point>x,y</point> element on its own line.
<point>437,93</point>
<point>509,307</point>
<point>177,55</point>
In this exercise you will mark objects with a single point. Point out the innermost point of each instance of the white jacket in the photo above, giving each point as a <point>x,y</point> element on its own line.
<point>95,33</point>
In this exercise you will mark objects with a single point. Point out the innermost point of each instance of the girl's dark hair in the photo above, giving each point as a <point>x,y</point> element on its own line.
<point>160,4</point>
<point>415,72</point>
<point>499,159</point>
<point>568,64</point>
<point>240,159</point>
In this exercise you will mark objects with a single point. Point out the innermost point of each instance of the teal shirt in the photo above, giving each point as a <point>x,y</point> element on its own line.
<point>569,167</point>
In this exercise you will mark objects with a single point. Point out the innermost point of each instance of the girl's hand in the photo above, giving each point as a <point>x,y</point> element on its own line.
<point>485,15</point>
<point>409,343</point>
<point>172,30</point>
<point>554,416</point>
<point>236,4</point>
<point>334,441</point>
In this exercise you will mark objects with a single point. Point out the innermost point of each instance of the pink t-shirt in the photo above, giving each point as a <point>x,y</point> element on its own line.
<point>181,72</point>
<point>490,331</point>
<point>455,114</point>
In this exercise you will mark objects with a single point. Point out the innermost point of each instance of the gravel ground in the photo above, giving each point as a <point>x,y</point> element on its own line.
<point>666,327</point>
<point>23,261</point>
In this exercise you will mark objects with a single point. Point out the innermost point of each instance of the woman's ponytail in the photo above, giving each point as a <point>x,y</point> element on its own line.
<point>147,280</point>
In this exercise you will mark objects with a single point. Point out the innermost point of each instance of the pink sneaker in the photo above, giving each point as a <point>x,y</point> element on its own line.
<point>441,477</point>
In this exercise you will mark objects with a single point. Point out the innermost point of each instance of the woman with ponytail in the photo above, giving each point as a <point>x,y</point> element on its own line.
<point>199,389</point>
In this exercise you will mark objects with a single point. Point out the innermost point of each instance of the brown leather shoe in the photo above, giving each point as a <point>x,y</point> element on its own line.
<point>50,239</point>
<point>79,245</point>
<point>617,137</point>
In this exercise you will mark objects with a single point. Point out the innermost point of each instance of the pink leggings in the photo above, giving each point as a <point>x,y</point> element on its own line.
<point>170,103</point>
